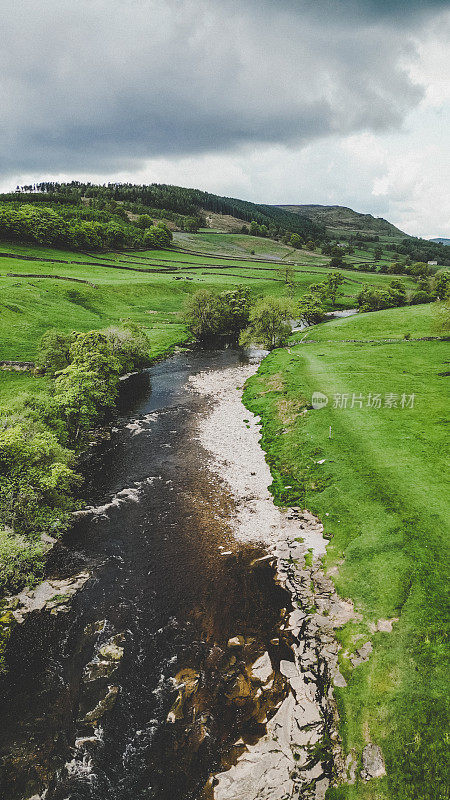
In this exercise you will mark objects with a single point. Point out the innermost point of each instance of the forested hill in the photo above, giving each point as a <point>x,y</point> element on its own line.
<point>342,219</point>
<point>176,199</point>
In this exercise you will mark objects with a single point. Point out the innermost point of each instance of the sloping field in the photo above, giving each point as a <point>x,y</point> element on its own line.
<point>379,486</point>
<point>147,287</point>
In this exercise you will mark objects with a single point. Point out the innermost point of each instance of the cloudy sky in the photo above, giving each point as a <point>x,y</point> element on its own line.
<point>278,101</point>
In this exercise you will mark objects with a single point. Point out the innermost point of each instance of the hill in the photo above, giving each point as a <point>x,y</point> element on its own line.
<point>340,220</point>
<point>176,200</point>
<point>440,240</point>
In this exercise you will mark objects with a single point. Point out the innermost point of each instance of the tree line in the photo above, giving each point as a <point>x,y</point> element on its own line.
<point>39,445</point>
<point>190,202</point>
<point>65,228</point>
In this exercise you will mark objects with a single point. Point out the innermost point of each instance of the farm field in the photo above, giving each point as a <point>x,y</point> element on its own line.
<point>378,484</point>
<point>154,299</point>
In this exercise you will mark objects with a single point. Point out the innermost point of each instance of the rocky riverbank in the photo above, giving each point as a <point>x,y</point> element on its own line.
<point>300,749</point>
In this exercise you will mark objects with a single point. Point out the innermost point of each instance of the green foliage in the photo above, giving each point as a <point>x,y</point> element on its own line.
<point>269,323</point>
<point>54,351</point>
<point>157,236</point>
<point>441,285</point>
<point>35,479</point>
<point>130,346</point>
<point>236,305</point>
<point>420,297</point>
<point>21,562</point>
<point>203,314</point>
<point>67,227</point>
<point>311,309</point>
<point>372,299</point>
<point>333,282</point>
<point>295,241</point>
<point>208,314</point>
<point>287,273</point>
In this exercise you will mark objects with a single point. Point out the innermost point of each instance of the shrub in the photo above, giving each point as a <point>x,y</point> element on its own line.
<point>35,479</point>
<point>54,351</point>
<point>21,562</point>
<point>420,297</point>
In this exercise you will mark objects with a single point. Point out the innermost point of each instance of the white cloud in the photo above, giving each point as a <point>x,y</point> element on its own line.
<point>272,102</point>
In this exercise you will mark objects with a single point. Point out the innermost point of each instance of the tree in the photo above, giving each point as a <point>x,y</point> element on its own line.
<point>397,291</point>
<point>269,323</point>
<point>35,479</point>
<point>144,221</point>
<point>93,351</point>
<point>130,345</point>
<point>296,241</point>
<point>203,314</point>
<point>442,284</point>
<point>235,312</point>
<point>333,282</point>
<point>191,224</point>
<point>287,274</point>
<point>80,395</point>
<point>54,351</point>
<point>311,309</point>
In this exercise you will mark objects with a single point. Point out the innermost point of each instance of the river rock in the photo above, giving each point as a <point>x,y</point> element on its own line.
<point>372,762</point>
<point>104,705</point>
<point>236,641</point>
<point>111,651</point>
<point>288,669</point>
<point>240,690</point>
<point>362,654</point>
<point>50,594</point>
<point>262,668</point>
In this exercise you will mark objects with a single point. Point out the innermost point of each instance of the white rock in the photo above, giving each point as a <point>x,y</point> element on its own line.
<point>262,668</point>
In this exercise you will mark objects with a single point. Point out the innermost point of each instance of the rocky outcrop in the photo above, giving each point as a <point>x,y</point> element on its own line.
<point>300,751</point>
<point>372,763</point>
<point>52,595</point>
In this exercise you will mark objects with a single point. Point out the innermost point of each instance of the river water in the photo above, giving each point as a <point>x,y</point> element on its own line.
<point>88,692</point>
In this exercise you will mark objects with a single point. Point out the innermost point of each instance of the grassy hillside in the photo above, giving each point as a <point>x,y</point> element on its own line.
<point>123,289</point>
<point>342,219</point>
<point>398,323</point>
<point>381,493</point>
<point>174,199</point>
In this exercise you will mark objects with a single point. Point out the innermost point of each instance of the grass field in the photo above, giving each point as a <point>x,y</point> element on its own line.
<point>155,299</point>
<point>381,493</point>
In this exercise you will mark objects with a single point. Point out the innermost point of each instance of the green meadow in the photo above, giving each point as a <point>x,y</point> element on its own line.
<point>155,299</point>
<point>379,486</point>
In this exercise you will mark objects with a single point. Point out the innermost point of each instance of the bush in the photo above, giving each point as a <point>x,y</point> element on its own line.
<point>420,297</point>
<point>35,480</point>
<point>54,351</point>
<point>21,562</point>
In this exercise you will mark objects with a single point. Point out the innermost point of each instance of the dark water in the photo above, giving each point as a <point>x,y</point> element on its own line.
<point>159,581</point>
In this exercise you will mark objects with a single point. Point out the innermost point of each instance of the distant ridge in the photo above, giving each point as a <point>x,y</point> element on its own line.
<point>440,240</point>
<point>340,220</point>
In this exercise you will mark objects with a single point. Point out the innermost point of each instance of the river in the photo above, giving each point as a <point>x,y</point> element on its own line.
<point>170,662</point>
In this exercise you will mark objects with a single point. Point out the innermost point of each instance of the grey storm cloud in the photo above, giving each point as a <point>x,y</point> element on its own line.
<point>101,85</point>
